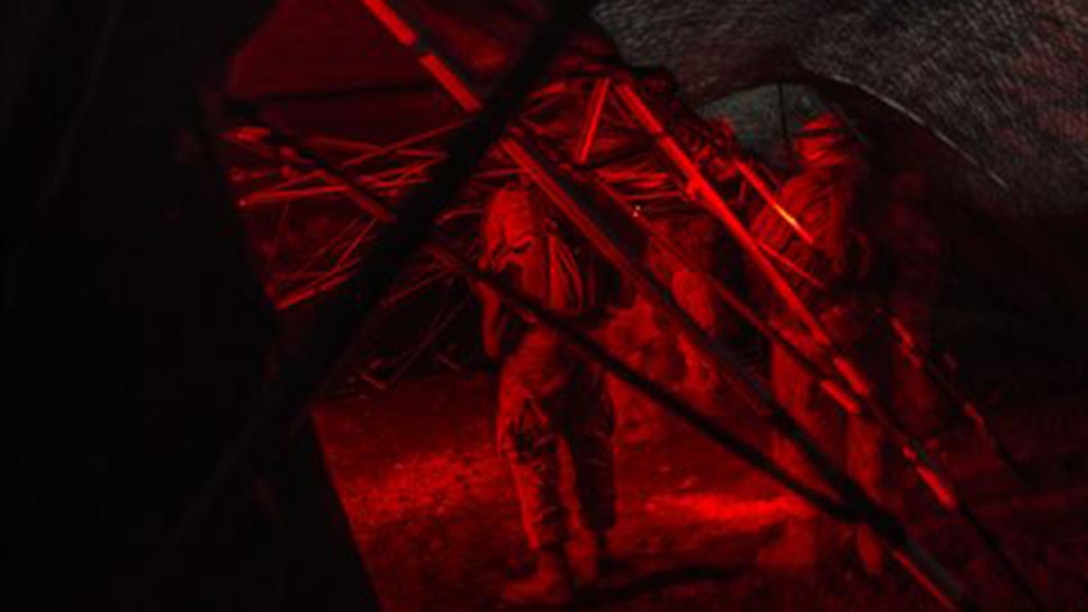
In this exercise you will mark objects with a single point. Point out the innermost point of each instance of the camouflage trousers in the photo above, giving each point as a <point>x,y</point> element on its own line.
<point>549,396</point>
<point>857,446</point>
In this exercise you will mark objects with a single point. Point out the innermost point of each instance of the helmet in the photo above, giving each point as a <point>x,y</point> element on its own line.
<point>827,141</point>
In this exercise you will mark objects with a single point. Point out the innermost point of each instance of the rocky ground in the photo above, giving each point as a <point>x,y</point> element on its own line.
<point>435,517</point>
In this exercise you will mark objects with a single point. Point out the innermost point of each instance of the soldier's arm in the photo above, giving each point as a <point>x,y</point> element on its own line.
<point>491,313</point>
<point>838,226</point>
<point>491,321</point>
<point>846,247</point>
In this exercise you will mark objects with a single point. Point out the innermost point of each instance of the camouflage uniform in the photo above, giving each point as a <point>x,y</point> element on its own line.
<point>547,392</point>
<point>824,199</point>
<point>546,395</point>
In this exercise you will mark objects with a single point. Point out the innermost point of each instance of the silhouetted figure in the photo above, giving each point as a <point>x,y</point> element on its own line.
<point>832,277</point>
<point>547,394</point>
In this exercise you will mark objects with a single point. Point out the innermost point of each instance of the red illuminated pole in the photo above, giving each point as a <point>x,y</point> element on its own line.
<point>374,152</point>
<point>793,268</point>
<point>597,99</point>
<point>581,216</point>
<point>768,195</point>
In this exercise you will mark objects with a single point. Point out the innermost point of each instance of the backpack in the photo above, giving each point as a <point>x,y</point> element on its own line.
<point>532,250</point>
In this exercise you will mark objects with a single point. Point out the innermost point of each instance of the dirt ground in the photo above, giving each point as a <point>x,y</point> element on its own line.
<point>434,514</point>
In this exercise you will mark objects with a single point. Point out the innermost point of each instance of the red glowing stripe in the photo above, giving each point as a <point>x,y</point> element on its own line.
<point>792,267</point>
<point>924,580</point>
<point>856,379</point>
<point>974,414</point>
<point>768,195</point>
<point>837,393</point>
<point>397,26</point>
<point>935,484</point>
<point>596,110</point>
<point>403,31</point>
<point>461,92</point>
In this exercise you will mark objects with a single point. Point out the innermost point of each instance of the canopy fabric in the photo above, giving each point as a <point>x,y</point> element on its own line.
<point>329,66</point>
<point>1004,81</point>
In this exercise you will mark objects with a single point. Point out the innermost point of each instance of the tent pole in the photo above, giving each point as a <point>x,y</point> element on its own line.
<point>597,99</point>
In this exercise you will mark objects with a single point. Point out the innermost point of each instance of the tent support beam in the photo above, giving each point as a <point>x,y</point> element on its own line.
<point>597,99</point>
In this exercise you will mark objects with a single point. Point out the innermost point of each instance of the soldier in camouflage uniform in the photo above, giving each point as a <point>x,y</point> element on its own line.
<point>548,395</point>
<point>833,278</point>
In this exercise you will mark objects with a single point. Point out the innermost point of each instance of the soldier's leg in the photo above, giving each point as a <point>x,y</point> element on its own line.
<point>865,440</point>
<point>529,440</point>
<point>529,443</point>
<point>866,465</point>
<point>867,444</point>
<point>809,537</point>
<point>589,431</point>
<point>590,425</point>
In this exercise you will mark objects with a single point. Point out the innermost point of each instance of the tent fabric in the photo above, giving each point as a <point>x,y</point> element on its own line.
<point>329,66</point>
<point>1004,81</point>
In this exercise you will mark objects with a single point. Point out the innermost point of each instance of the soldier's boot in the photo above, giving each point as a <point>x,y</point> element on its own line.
<point>588,559</point>
<point>550,585</point>
<point>870,551</point>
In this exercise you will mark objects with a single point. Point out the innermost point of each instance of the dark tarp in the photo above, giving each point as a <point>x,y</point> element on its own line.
<point>327,65</point>
<point>135,332</point>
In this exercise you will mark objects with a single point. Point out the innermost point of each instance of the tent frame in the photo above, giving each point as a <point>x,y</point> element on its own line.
<point>567,199</point>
